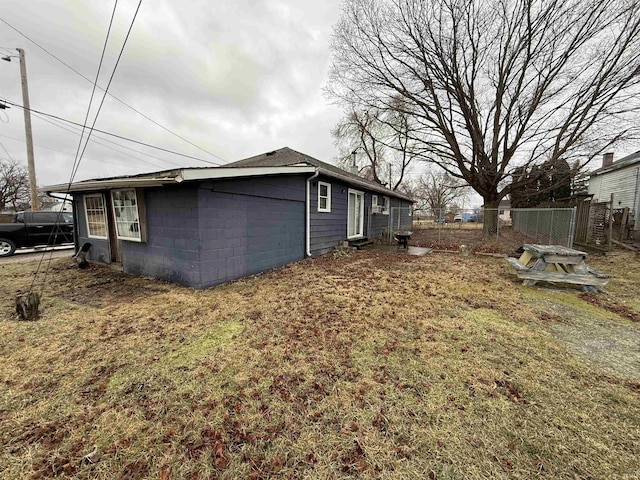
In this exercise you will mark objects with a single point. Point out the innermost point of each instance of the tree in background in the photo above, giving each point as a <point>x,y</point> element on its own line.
<point>381,143</point>
<point>491,86</point>
<point>14,186</point>
<point>543,184</point>
<point>437,192</point>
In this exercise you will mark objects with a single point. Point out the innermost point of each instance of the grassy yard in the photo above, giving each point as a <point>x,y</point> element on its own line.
<point>371,366</point>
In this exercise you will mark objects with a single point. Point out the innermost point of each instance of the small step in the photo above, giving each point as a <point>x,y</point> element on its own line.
<point>360,243</point>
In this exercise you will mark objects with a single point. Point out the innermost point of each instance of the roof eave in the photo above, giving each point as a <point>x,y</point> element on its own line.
<point>365,184</point>
<point>97,185</point>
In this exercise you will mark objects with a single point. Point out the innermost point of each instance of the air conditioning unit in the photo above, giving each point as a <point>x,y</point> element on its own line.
<point>376,209</point>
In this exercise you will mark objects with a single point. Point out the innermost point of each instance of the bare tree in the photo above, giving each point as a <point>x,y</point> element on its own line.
<point>436,192</point>
<point>380,144</point>
<point>493,85</point>
<point>14,186</point>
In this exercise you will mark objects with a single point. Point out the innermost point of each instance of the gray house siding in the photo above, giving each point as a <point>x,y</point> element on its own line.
<point>249,226</point>
<point>172,250</point>
<point>328,229</point>
<point>100,250</point>
<point>207,233</point>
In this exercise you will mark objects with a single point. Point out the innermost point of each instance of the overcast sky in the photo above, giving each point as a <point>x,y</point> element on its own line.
<point>236,78</point>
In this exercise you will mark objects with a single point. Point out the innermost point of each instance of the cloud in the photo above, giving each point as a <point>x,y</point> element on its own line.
<point>237,78</point>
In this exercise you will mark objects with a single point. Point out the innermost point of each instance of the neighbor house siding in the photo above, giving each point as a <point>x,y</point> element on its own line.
<point>172,250</point>
<point>100,250</point>
<point>251,225</point>
<point>625,186</point>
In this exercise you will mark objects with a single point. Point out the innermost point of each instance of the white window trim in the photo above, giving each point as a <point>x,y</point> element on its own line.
<point>141,215</point>
<point>374,204</point>
<point>387,206</point>
<point>328,197</point>
<point>361,234</point>
<point>104,216</point>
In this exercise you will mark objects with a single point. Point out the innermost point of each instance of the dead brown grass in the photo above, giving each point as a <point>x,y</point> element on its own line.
<point>372,366</point>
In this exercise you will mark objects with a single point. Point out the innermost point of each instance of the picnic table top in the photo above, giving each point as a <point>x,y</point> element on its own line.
<point>553,250</point>
<point>403,234</point>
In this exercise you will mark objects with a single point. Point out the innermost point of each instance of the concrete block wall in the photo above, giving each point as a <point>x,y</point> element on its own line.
<point>172,249</point>
<point>251,225</point>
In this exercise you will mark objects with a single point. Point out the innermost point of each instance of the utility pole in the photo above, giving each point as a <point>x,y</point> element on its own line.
<point>27,131</point>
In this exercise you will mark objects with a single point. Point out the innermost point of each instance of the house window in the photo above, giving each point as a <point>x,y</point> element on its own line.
<point>380,204</point>
<point>324,197</point>
<point>385,205</point>
<point>126,209</point>
<point>96,216</point>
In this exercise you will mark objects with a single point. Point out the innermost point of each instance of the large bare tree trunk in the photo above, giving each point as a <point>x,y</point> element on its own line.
<point>490,225</point>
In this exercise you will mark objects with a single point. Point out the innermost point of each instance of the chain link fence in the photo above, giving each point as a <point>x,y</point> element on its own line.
<point>494,230</point>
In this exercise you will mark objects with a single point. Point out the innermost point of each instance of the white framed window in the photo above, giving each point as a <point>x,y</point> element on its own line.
<point>375,206</point>
<point>324,197</point>
<point>385,205</point>
<point>128,211</point>
<point>96,216</point>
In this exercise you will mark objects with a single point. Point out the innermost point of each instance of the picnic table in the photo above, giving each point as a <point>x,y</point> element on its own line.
<point>555,263</point>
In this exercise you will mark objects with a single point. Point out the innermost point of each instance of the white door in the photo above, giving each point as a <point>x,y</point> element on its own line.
<point>355,217</point>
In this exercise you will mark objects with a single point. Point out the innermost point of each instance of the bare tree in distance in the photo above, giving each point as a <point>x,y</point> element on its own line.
<point>494,85</point>
<point>14,186</point>
<point>436,192</point>
<point>382,142</point>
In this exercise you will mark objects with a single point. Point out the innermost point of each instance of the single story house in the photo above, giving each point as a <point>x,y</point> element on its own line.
<point>204,226</point>
<point>620,177</point>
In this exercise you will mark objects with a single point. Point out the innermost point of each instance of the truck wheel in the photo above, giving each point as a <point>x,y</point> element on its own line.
<point>7,247</point>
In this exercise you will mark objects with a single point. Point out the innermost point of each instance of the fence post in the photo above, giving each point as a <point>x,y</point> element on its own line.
<point>551,226</point>
<point>609,246</point>
<point>572,226</point>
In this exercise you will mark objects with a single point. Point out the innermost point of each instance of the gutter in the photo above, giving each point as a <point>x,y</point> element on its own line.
<point>308,229</point>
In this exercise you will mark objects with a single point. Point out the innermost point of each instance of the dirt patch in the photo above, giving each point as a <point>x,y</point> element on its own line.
<point>612,305</point>
<point>107,287</point>
<point>450,237</point>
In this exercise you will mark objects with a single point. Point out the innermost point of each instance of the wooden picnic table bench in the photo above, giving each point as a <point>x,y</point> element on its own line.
<point>555,263</point>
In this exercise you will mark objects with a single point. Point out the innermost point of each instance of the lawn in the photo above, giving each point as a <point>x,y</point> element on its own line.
<point>371,365</point>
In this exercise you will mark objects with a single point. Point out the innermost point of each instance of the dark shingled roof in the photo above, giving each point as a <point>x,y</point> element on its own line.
<point>287,157</point>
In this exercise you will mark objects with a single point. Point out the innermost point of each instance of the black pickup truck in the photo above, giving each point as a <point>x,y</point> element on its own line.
<point>29,229</point>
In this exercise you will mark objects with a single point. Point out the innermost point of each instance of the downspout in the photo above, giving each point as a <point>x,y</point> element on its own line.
<point>308,229</point>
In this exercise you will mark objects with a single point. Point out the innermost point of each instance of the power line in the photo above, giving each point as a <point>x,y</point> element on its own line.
<point>70,154</point>
<point>77,160</point>
<point>110,94</point>
<point>94,141</point>
<point>7,152</point>
<point>114,134</point>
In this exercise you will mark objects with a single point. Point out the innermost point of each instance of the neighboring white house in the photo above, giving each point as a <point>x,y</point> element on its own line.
<point>622,178</point>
